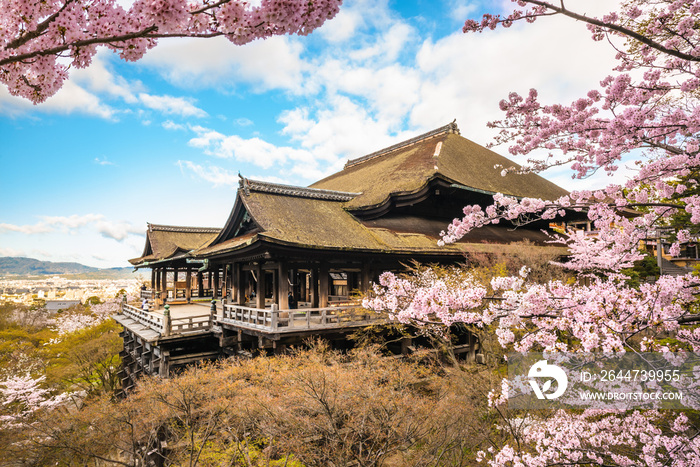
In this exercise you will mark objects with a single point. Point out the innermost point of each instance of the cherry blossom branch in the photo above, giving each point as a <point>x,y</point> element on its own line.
<point>549,9</point>
<point>81,43</point>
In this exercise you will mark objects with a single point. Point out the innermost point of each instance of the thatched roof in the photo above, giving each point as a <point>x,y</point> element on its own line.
<point>407,167</point>
<point>317,219</point>
<point>168,241</point>
<point>351,210</point>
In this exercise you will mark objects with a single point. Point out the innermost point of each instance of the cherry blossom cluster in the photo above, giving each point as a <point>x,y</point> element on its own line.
<point>21,396</point>
<point>648,110</point>
<point>35,35</point>
<point>76,320</point>
<point>599,438</point>
<point>630,110</point>
<point>601,316</point>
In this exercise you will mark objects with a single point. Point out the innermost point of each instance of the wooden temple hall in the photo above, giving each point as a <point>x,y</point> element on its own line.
<point>292,262</point>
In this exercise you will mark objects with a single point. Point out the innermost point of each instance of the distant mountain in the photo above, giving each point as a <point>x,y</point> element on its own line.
<point>34,267</point>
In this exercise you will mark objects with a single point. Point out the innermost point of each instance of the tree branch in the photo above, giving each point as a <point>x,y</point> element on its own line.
<point>615,27</point>
<point>96,40</point>
<point>41,27</point>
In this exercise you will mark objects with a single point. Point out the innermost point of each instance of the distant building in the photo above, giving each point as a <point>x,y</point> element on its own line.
<point>56,305</point>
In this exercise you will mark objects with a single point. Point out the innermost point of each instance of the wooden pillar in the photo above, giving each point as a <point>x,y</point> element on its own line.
<point>215,288</point>
<point>240,283</point>
<point>365,279</point>
<point>188,284</point>
<point>175,274</point>
<point>323,285</point>
<point>164,282</point>
<point>260,287</point>
<point>275,286</point>
<point>283,286</point>
<point>313,287</point>
<point>230,288</point>
<point>235,283</point>
<point>200,283</point>
<point>164,367</point>
<point>303,295</point>
<point>153,279</point>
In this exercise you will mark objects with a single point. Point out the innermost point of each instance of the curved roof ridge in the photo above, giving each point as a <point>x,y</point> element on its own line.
<point>248,185</point>
<point>184,229</point>
<point>449,128</point>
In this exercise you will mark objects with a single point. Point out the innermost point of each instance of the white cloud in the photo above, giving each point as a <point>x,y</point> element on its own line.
<point>243,122</point>
<point>103,161</point>
<point>274,63</point>
<point>100,79</point>
<point>253,150</point>
<point>118,231</point>
<point>11,252</point>
<point>212,174</point>
<point>25,229</point>
<point>70,99</point>
<point>170,105</point>
<point>461,10</point>
<point>343,26</point>
<point>170,125</point>
<point>73,224</point>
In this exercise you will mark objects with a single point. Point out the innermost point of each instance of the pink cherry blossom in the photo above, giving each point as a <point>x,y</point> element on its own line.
<point>34,35</point>
<point>647,109</point>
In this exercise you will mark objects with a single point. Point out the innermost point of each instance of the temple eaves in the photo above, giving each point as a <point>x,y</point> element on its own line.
<point>248,185</point>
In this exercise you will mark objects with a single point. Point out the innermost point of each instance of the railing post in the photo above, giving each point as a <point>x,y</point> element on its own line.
<point>212,312</point>
<point>166,321</point>
<point>308,319</point>
<point>323,316</point>
<point>121,308</point>
<point>273,316</point>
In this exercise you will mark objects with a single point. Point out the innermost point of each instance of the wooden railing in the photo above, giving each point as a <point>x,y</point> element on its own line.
<point>274,320</point>
<point>191,323</point>
<point>167,326</point>
<point>147,294</point>
<point>150,320</point>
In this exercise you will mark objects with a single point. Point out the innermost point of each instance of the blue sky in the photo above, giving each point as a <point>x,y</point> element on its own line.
<point>163,139</point>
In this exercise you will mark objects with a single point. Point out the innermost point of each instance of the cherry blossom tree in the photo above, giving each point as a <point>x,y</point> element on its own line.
<point>40,40</point>
<point>647,111</point>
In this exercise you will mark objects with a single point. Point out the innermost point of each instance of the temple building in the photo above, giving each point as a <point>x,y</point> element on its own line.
<point>291,261</point>
<point>317,244</point>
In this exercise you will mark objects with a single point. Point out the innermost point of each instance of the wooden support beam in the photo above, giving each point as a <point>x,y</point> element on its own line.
<point>164,281</point>
<point>323,284</point>
<point>215,289</point>
<point>164,366</point>
<point>283,286</point>
<point>303,293</point>
<point>188,284</point>
<point>240,284</point>
<point>230,287</point>
<point>200,283</point>
<point>275,286</point>
<point>153,279</point>
<point>365,277</point>
<point>260,288</point>
<point>313,287</point>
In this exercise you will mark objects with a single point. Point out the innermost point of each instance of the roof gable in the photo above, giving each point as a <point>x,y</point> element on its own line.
<point>408,167</point>
<point>166,241</point>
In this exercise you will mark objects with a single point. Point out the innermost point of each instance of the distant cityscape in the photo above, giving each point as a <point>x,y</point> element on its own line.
<point>16,286</point>
<point>29,291</point>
